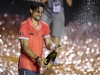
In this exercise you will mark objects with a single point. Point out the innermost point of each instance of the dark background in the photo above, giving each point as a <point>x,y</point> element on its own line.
<point>21,7</point>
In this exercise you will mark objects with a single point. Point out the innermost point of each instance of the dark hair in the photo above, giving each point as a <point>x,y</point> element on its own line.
<point>35,5</point>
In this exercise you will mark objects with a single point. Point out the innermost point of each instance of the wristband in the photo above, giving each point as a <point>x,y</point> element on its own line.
<point>37,59</point>
<point>53,46</point>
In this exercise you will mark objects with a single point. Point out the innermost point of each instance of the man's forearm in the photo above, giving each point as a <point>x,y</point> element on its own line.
<point>69,2</point>
<point>30,53</point>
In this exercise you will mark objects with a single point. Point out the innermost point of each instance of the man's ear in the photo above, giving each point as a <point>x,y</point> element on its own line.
<point>30,10</point>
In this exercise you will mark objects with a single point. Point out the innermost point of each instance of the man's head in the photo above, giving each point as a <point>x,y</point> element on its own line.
<point>36,10</point>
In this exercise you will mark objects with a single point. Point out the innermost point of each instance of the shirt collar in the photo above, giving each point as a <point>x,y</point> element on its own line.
<point>31,24</point>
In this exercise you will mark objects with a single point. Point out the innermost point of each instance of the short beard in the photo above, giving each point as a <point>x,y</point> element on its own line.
<point>37,20</point>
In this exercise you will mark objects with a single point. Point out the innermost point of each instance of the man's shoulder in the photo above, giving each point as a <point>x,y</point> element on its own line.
<point>24,23</point>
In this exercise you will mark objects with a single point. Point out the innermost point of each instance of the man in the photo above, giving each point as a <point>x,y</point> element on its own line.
<point>54,14</point>
<point>33,33</point>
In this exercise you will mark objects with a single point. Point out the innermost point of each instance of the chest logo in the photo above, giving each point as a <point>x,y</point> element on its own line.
<point>21,33</point>
<point>31,34</point>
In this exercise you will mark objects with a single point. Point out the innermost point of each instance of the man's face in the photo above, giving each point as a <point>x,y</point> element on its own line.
<point>36,15</point>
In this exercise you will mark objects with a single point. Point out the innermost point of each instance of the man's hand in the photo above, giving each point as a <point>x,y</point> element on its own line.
<point>48,66</point>
<point>42,62</point>
<point>58,48</point>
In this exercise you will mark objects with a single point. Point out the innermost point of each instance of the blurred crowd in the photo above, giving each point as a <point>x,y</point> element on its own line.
<point>80,53</point>
<point>9,44</point>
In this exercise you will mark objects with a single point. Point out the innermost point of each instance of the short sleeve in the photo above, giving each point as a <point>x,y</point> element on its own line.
<point>47,31</point>
<point>23,32</point>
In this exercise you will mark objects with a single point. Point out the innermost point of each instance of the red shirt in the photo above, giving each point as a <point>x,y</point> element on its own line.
<point>36,40</point>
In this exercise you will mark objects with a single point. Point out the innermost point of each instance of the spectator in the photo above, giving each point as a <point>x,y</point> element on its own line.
<point>54,14</point>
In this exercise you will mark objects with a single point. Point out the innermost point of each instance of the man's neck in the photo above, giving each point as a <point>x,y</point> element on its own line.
<point>35,23</point>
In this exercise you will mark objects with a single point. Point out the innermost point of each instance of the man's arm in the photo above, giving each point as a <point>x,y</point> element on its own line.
<point>26,50</point>
<point>50,45</point>
<point>69,2</point>
<point>43,1</point>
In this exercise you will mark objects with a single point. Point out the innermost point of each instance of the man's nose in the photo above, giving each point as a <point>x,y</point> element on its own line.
<point>40,14</point>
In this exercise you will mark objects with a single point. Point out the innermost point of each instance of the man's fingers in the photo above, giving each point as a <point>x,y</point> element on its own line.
<point>58,49</point>
<point>43,63</point>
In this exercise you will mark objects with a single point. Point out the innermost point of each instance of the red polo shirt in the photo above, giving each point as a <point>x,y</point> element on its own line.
<point>36,38</point>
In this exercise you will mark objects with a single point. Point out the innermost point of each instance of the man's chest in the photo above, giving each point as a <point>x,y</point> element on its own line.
<point>36,33</point>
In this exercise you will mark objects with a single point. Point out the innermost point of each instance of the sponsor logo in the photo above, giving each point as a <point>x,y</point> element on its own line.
<point>21,33</point>
<point>31,34</point>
